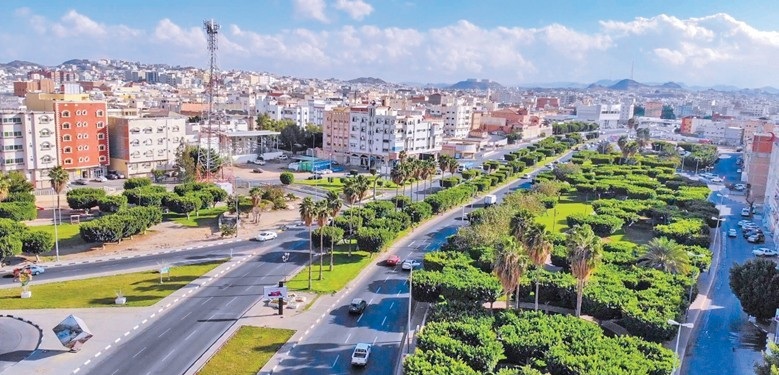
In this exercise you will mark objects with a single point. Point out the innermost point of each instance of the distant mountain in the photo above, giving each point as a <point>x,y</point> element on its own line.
<point>606,82</point>
<point>626,84</point>
<point>769,89</point>
<point>671,85</point>
<point>553,85</point>
<point>472,84</point>
<point>77,62</point>
<point>368,81</point>
<point>19,64</point>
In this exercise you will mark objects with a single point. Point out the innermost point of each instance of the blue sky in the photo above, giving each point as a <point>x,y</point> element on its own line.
<point>695,42</point>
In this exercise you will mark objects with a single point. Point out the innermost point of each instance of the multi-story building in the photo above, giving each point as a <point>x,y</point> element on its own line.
<point>771,202</point>
<point>757,164</point>
<point>605,115</point>
<point>456,119</point>
<point>752,127</point>
<point>335,133</point>
<point>653,109</point>
<point>21,88</point>
<point>142,144</point>
<point>29,145</point>
<point>378,134</point>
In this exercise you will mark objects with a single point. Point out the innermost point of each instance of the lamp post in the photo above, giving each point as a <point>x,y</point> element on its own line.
<point>408,321</point>
<point>284,259</point>
<point>716,234</point>
<point>678,336</point>
<point>56,235</point>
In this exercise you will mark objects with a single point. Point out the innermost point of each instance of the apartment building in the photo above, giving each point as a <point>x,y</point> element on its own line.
<point>653,109</point>
<point>757,163</point>
<point>335,133</point>
<point>456,120</point>
<point>752,127</point>
<point>377,135</point>
<point>21,88</point>
<point>605,115</point>
<point>771,201</point>
<point>142,144</point>
<point>29,145</point>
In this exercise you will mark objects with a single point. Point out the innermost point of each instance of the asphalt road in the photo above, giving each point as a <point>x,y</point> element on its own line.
<point>725,342</point>
<point>17,340</point>
<point>328,348</point>
<point>178,338</point>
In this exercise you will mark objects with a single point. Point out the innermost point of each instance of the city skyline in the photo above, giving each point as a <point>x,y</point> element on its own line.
<point>696,43</point>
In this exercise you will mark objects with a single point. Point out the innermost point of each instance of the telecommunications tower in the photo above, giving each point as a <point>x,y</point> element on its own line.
<point>207,156</point>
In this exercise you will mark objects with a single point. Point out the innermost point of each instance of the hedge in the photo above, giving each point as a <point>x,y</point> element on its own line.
<point>120,225</point>
<point>84,198</point>
<point>34,242</point>
<point>602,225</point>
<point>419,211</point>
<point>112,203</point>
<point>18,211</point>
<point>136,182</point>
<point>373,239</point>
<point>331,236</point>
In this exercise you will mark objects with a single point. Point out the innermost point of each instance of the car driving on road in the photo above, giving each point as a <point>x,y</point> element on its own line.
<point>409,264</point>
<point>361,353</point>
<point>732,233</point>
<point>765,252</point>
<point>392,260</point>
<point>266,236</point>
<point>357,306</point>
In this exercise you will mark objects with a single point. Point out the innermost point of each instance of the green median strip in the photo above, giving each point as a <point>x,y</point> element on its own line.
<point>345,268</point>
<point>247,351</point>
<point>140,289</point>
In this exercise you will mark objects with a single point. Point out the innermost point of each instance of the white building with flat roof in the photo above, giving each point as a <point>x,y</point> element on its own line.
<point>605,115</point>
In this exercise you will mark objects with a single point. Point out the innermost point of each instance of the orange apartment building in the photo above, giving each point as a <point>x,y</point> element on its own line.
<point>757,164</point>
<point>336,134</point>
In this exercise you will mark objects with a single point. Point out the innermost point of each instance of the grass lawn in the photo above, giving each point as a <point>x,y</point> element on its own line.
<point>568,205</point>
<point>345,269</point>
<point>205,218</point>
<point>141,289</point>
<point>247,351</point>
<point>67,233</point>
<point>337,183</point>
<point>638,234</point>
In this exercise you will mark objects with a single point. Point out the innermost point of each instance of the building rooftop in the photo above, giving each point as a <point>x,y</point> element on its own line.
<point>250,133</point>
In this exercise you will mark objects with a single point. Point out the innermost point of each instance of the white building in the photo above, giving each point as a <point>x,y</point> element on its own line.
<point>605,115</point>
<point>457,120</point>
<point>141,144</point>
<point>281,107</point>
<point>378,134</point>
<point>29,145</point>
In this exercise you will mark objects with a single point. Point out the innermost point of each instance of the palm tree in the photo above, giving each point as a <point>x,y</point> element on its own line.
<point>416,173</point>
<point>256,195</point>
<point>398,175</point>
<point>519,224</point>
<point>349,191</point>
<point>509,265</point>
<point>307,211</point>
<point>666,255</point>
<point>361,186</point>
<point>321,214</point>
<point>622,141</point>
<point>59,181</point>
<point>584,252</point>
<point>632,124</point>
<point>452,165</point>
<point>334,204</point>
<point>443,163</point>
<point>642,137</point>
<point>605,147</point>
<point>428,171</point>
<point>538,246</point>
<point>630,150</point>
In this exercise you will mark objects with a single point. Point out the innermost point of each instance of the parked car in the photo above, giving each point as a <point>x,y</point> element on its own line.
<point>357,306</point>
<point>315,177</point>
<point>257,170</point>
<point>745,212</point>
<point>732,233</point>
<point>100,179</point>
<point>361,354</point>
<point>739,187</point>
<point>112,177</point>
<point>324,171</point>
<point>80,181</point>
<point>258,162</point>
<point>115,173</point>
<point>756,238</point>
<point>283,157</point>
<point>716,180</point>
<point>765,252</point>
<point>266,236</point>
<point>392,260</point>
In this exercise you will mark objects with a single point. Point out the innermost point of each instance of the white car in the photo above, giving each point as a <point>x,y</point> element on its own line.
<point>266,236</point>
<point>408,264</point>
<point>361,354</point>
<point>258,162</point>
<point>745,212</point>
<point>765,252</point>
<point>732,233</point>
<point>283,157</point>
<point>716,180</point>
<point>100,179</point>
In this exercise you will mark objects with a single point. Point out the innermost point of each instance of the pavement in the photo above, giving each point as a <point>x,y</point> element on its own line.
<point>18,339</point>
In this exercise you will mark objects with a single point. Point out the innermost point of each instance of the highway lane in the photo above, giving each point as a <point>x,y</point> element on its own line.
<point>328,348</point>
<point>179,337</point>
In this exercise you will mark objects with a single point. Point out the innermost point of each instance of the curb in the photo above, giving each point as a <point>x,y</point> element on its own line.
<point>40,330</point>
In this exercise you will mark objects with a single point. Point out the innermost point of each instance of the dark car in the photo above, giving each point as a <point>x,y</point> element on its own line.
<point>357,306</point>
<point>315,177</point>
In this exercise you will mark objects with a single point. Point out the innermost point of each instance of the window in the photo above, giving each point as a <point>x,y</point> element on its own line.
<point>45,133</point>
<point>147,130</point>
<point>65,114</point>
<point>83,148</point>
<point>101,147</point>
<point>66,137</point>
<point>45,146</point>
<point>100,136</point>
<point>149,153</point>
<point>175,128</point>
<point>100,125</point>
<point>135,130</point>
<point>83,135</point>
<point>68,161</point>
<point>46,159</point>
<point>161,141</point>
<point>99,113</point>
<point>44,119</point>
<point>80,160</point>
<point>12,147</point>
<point>148,142</point>
<point>67,150</point>
<point>135,142</point>
<point>102,158</point>
<point>160,152</point>
<point>12,134</point>
<point>160,129</point>
<point>66,125</point>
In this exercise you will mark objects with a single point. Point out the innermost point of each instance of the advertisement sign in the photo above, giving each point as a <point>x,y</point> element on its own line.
<point>72,332</point>
<point>275,292</point>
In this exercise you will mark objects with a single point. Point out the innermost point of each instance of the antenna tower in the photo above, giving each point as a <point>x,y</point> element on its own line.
<point>205,156</point>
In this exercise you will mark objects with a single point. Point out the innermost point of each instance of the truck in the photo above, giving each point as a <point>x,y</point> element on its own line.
<point>489,200</point>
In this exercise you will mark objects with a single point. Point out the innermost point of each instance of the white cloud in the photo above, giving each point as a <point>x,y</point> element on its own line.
<point>172,35</point>
<point>76,24</point>
<point>357,9</point>
<point>312,9</point>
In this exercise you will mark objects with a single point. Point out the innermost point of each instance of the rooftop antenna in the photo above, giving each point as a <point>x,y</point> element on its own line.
<point>204,157</point>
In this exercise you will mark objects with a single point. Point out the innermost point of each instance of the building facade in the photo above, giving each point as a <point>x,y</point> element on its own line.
<point>29,145</point>
<point>757,164</point>
<point>335,133</point>
<point>82,132</point>
<point>142,144</point>
<point>605,115</point>
<point>771,201</point>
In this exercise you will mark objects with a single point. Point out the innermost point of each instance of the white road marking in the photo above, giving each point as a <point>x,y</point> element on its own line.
<point>107,347</point>
<point>392,304</point>
<point>374,340</point>
<point>204,302</point>
<point>136,327</point>
<point>171,352</point>
<point>136,354</point>
<point>336,360</point>
<point>190,335</point>
<point>77,370</point>
<point>231,301</point>
<point>98,354</point>
<point>384,321</point>
<point>88,361</point>
<point>163,333</point>
<point>144,321</point>
<point>358,319</point>
<point>377,290</point>
<point>183,317</point>
<point>117,340</point>
<point>347,338</point>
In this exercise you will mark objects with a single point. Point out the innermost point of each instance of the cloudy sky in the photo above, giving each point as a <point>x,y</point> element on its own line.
<point>697,42</point>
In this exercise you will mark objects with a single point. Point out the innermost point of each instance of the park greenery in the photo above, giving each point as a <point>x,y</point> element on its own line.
<point>638,286</point>
<point>17,203</point>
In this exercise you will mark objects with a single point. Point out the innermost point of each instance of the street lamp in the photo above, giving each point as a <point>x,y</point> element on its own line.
<point>716,233</point>
<point>284,259</point>
<point>408,321</point>
<point>678,336</point>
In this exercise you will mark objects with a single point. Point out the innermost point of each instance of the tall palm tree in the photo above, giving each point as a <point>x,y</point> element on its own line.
<point>334,204</point>
<point>622,141</point>
<point>416,172</point>
<point>256,195</point>
<point>665,254</point>
<point>519,224</point>
<point>538,246</point>
<point>307,211</point>
<point>398,175</point>
<point>452,165</point>
<point>632,124</point>
<point>59,181</point>
<point>642,137</point>
<point>349,191</point>
<point>584,252</point>
<point>321,214</point>
<point>509,265</point>
<point>443,163</point>
<point>428,171</point>
<point>361,186</point>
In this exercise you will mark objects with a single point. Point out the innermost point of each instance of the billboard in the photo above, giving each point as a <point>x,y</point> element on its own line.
<point>275,292</point>
<point>72,332</point>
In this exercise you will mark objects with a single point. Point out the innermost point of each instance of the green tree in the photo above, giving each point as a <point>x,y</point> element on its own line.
<point>643,137</point>
<point>18,183</point>
<point>158,174</point>
<point>10,246</point>
<point>356,188</point>
<point>605,147</point>
<point>584,253</point>
<point>756,285</point>
<point>334,204</point>
<point>665,254</point>
<point>136,182</point>
<point>287,178</point>
<point>307,212</point>
<point>183,205</point>
<point>37,243</point>
<point>186,163</point>
<point>292,137</point>
<point>510,263</point>
<point>538,246</point>
<point>771,361</point>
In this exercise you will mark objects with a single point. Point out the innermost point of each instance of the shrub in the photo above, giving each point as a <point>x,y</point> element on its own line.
<point>419,211</point>
<point>37,242</point>
<point>136,182</point>
<point>401,201</point>
<point>84,198</point>
<point>373,239</point>
<point>18,211</point>
<point>331,236</point>
<point>287,178</point>
<point>21,197</point>
<point>183,205</point>
<point>450,182</point>
<point>602,225</point>
<point>382,208</point>
<point>348,223</point>
<point>112,203</point>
